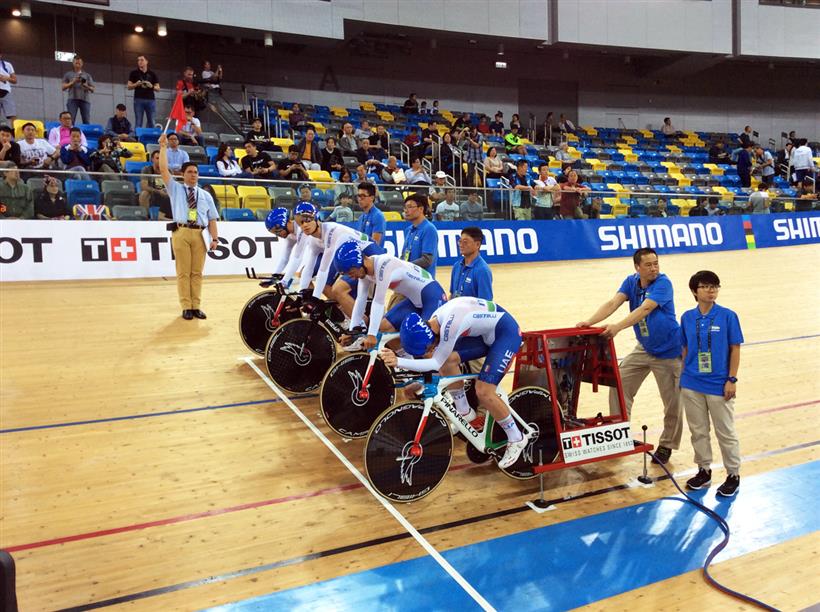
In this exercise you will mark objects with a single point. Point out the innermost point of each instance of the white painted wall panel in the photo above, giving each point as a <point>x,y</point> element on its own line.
<point>779,31</point>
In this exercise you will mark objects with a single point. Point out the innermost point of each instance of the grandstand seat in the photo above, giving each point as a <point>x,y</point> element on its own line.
<point>620,210</point>
<point>137,150</point>
<point>226,195</point>
<point>153,213</point>
<point>284,143</point>
<point>238,214</point>
<point>320,197</point>
<point>320,176</point>
<point>91,130</point>
<point>282,196</point>
<point>195,154</point>
<point>208,139</point>
<point>117,193</point>
<point>82,192</point>
<point>18,128</point>
<point>148,135</point>
<point>392,215</point>
<point>253,197</point>
<point>207,171</point>
<point>232,139</point>
<point>135,167</point>
<point>637,210</point>
<point>392,199</point>
<point>130,213</point>
<point>35,183</point>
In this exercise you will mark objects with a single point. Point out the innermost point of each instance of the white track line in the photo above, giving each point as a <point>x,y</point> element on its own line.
<point>485,605</point>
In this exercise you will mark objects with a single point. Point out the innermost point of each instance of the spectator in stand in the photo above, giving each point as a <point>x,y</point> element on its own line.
<point>332,156</point>
<point>343,211</point>
<point>515,122</point>
<point>411,105</point>
<point>210,79</point>
<point>145,84</point>
<point>759,200</point>
<point>106,157</point>
<point>347,140</point>
<point>75,156</point>
<point>80,86</point>
<point>361,175</point>
<point>483,125</point>
<point>309,151</point>
<point>764,164</point>
<point>474,153</point>
<point>744,165</point>
<point>471,276</point>
<point>390,172</point>
<point>497,126</point>
<point>16,201</point>
<point>713,210</point>
<point>447,155</point>
<point>563,156</point>
<point>291,169</point>
<point>192,129</point>
<point>667,128</point>
<point>806,195</point>
<point>745,137</point>
<point>36,153</point>
<point>296,118</point>
<point>227,165</point>
<point>423,107</point>
<point>9,150</point>
<point>493,164</point>
<point>522,192</point>
<point>412,139</point>
<point>784,161</point>
<point>658,209</point>
<point>473,208</point>
<point>512,141</point>
<point>549,128</point>
<point>364,132</point>
<point>434,108</point>
<point>699,209</point>
<point>593,209</point>
<point>7,79</point>
<point>305,194</point>
<point>429,136</point>
<point>49,203</point>
<point>152,188</point>
<point>193,95</point>
<point>801,161</point>
<point>544,188</point>
<point>258,164</point>
<point>436,192</point>
<point>416,174</point>
<point>380,139</point>
<point>571,194</point>
<point>176,156</point>
<point>259,138</point>
<point>462,122</point>
<point>118,126</point>
<point>448,210</point>
<point>345,186</point>
<point>366,155</point>
<point>565,125</point>
<point>61,134</point>
<point>718,154</point>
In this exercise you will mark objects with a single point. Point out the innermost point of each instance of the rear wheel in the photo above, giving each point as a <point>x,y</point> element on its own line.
<point>345,411</point>
<point>298,354</point>
<point>534,406</point>
<point>256,321</point>
<point>393,470</point>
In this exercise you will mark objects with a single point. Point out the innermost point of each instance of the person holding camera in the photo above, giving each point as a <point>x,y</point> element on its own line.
<point>80,86</point>
<point>144,83</point>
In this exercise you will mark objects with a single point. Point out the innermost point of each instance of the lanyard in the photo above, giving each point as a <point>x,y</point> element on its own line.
<point>409,242</point>
<point>464,271</point>
<point>709,321</point>
<point>640,293</point>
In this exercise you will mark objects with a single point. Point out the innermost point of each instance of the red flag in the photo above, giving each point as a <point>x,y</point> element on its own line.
<point>178,113</point>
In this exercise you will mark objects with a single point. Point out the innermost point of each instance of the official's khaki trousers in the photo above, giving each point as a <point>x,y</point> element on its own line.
<point>699,407</point>
<point>634,369</point>
<point>189,251</point>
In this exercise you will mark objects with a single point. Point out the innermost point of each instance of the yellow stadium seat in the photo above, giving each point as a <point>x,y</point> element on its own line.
<point>253,197</point>
<point>18,128</point>
<point>284,114</point>
<point>613,202</point>
<point>589,130</point>
<point>669,165</point>
<point>318,127</point>
<point>555,164</point>
<point>137,152</point>
<point>673,148</point>
<point>646,133</point>
<point>392,215</point>
<point>320,175</point>
<point>572,138</point>
<point>682,180</point>
<point>239,153</point>
<point>339,111</point>
<point>285,143</point>
<point>367,106</point>
<point>620,209</point>
<point>606,216</point>
<point>226,195</point>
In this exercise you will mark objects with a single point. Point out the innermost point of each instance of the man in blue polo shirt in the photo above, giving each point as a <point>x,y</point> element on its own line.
<point>420,238</point>
<point>652,315</point>
<point>471,276</point>
<point>711,337</point>
<point>371,223</point>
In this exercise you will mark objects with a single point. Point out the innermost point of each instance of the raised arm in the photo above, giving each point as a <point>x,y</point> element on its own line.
<point>163,160</point>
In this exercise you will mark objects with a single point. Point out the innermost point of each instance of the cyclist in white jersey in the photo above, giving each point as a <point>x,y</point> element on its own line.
<point>279,224</point>
<point>422,293</point>
<point>464,329</point>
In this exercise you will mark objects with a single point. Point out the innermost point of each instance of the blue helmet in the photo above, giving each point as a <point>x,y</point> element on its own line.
<point>348,255</point>
<point>305,208</point>
<point>416,335</point>
<point>277,218</point>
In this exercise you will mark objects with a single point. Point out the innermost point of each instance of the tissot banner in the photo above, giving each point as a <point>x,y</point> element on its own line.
<point>59,250</point>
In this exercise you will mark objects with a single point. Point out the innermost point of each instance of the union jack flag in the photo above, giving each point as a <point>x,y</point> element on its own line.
<point>92,212</point>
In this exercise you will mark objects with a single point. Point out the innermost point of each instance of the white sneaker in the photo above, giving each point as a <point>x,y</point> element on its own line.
<point>513,452</point>
<point>355,346</point>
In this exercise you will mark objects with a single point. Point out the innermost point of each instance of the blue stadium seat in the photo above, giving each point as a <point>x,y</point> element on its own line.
<point>135,167</point>
<point>148,135</point>
<point>82,192</point>
<point>206,170</point>
<point>238,214</point>
<point>91,130</point>
<point>211,153</point>
<point>153,213</point>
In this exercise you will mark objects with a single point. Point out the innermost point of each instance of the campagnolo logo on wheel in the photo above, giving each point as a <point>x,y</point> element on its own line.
<point>357,380</point>
<point>301,355</point>
<point>528,453</point>
<point>270,314</point>
<point>406,463</point>
<point>596,442</point>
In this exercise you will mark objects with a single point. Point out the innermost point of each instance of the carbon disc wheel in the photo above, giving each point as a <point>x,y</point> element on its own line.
<point>298,354</point>
<point>256,321</point>
<point>534,406</point>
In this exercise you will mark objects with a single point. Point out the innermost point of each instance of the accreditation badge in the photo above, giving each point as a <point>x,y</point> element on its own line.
<point>705,362</point>
<point>192,215</point>
<point>643,328</point>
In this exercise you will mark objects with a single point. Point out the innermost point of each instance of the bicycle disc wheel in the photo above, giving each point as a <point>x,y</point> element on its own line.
<point>534,406</point>
<point>298,354</point>
<point>343,410</point>
<point>256,320</point>
<point>391,469</point>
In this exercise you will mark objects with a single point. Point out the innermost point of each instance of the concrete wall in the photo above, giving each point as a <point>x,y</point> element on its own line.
<point>779,31</point>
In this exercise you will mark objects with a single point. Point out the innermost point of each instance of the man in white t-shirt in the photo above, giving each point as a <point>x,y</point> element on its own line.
<point>191,130</point>
<point>7,79</point>
<point>36,152</point>
<point>448,210</point>
<point>545,187</point>
<point>801,161</point>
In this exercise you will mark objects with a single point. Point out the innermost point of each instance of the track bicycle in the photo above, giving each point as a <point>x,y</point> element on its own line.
<point>265,312</point>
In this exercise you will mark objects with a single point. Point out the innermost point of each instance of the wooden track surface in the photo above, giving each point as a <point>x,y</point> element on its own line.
<point>248,485</point>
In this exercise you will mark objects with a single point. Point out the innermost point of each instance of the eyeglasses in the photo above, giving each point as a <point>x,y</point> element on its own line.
<point>364,195</point>
<point>709,287</point>
<point>409,206</point>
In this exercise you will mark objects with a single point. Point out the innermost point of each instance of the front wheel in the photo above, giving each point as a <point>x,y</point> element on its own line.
<point>298,354</point>
<point>257,321</point>
<point>392,469</point>
<point>534,406</point>
<point>343,407</point>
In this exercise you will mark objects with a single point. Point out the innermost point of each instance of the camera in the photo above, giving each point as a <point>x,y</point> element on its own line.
<point>83,81</point>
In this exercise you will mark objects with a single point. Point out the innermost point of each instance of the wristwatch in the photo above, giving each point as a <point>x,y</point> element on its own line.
<point>732,379</point>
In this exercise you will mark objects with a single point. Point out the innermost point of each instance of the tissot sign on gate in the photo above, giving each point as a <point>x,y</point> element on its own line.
<point>51,250</point>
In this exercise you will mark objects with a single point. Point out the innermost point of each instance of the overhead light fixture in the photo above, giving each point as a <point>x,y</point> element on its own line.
<point>501,65</point>
<point>162,28</point>
<point>64,56</point>
<point>268,39</point>
<point>138,29</point>
<point>16,13</point>
<point>99,21</point>
<point>500,49</point>
<point>25,9</point>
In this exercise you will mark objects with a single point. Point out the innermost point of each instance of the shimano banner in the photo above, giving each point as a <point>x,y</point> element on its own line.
<point>52,250</point>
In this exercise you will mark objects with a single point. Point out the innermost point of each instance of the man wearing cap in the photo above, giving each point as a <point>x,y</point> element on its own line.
<point>437,190</point>
<point>193,211</point>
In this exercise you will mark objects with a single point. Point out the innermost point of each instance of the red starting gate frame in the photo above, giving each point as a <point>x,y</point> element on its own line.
<point>597,365</point>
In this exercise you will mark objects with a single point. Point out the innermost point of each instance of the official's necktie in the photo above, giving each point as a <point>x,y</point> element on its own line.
<point>191,198</point>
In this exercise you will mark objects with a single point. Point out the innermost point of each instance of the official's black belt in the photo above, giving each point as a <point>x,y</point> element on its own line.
<point>175,226</point>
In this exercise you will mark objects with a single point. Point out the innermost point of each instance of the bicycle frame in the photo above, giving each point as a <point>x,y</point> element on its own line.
<point>382,339</point>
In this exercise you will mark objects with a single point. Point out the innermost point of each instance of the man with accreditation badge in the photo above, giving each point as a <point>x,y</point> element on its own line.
<point>194,230</point>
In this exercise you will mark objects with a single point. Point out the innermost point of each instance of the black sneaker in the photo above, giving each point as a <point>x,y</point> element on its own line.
<point>662,455</point>
<point>730,486</point>
<point>702,479</point>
